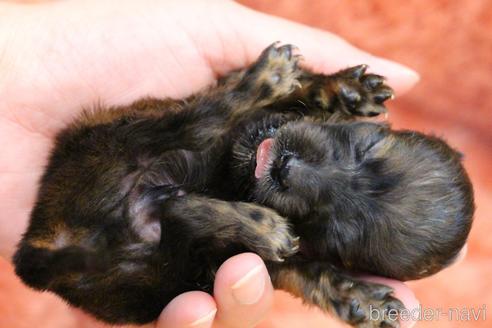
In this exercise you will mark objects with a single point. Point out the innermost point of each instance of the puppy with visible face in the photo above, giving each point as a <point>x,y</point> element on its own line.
<point>141,203</point>
<point>363,196</point>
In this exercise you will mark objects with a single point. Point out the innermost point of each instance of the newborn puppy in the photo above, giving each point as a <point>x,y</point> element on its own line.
<point>362,196</point>
<point>141,203</point>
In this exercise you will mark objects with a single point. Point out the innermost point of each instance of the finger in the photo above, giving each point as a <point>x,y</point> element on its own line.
<point>404,294</point>
<point>243,291</point>
<point>191,309</point>
<point>250,32</point>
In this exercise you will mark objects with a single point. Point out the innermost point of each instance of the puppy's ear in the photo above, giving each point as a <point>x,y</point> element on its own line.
<point>369,139</point>
<point>40,267</point>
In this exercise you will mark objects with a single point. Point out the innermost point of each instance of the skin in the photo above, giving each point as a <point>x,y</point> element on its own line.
<point>58,57</point>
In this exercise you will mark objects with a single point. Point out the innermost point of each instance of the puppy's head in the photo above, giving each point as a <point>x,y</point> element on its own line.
<point>394,203</point>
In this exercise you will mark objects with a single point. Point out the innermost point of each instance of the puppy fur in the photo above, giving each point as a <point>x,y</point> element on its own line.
<point>143,202</point>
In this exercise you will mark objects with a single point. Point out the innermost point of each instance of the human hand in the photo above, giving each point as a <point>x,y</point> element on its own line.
<point>231,311</point>
<point>59,57</point>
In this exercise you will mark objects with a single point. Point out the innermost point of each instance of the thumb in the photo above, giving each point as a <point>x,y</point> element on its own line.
<point>243,291</point>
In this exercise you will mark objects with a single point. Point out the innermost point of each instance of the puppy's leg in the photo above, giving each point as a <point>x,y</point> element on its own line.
<point>359,303</point>
<point>222,224</point>
<point>350,92</point>
<point>273,76</point>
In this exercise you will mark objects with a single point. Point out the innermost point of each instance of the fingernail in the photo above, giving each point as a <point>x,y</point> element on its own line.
<point>249,289</point>
<point>204,321</point>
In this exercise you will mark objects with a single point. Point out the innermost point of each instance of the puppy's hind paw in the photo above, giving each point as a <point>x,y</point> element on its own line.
<point>359,93</point>
<point>368,305</point>
<point>275,73</point>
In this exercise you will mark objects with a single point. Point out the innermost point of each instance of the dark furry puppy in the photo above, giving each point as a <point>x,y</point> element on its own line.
<point>141,203</point>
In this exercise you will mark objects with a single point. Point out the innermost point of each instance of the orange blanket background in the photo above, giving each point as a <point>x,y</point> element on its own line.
<point>450,44</point>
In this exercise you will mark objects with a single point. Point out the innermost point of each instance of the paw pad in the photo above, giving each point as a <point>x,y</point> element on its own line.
<point>359,93</point>
<point>366,304</point>
<point>276,70</point>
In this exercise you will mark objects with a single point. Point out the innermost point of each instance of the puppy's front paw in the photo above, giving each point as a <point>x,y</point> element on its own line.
<point>360,93</point>
<point>272,239</point>
<point>367,305</point>
<point>355,93</point>
<point>275,73</point>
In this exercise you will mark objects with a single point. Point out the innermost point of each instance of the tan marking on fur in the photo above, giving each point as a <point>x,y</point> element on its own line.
<point>384,147</point>
<point>323,98</point>
<point>60,237</point>
<point>141,108</point>
<point>290,281</point>
<point>41,243</point>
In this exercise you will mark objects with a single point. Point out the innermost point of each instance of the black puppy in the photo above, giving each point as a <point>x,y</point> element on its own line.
<point>141,203</point>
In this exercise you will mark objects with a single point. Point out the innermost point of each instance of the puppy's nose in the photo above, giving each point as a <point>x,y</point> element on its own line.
<point>280,170</point>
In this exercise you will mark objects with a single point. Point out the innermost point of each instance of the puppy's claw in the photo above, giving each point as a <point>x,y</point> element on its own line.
<point>355,72</point>
<point>382,95</point>
<point>286,50</point>
<point>356,313</point>
<point>382,292</point>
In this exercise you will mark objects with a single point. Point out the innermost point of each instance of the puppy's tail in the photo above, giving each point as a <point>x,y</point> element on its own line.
<point>41,267</point>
